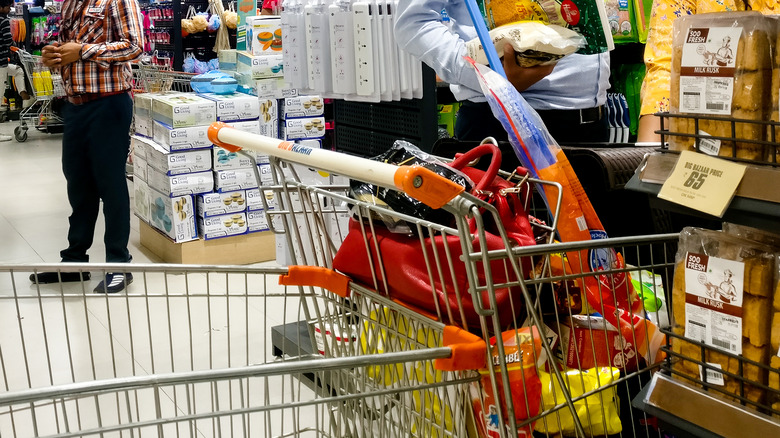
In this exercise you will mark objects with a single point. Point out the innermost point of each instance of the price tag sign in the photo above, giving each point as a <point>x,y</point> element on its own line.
<point>703,182</point>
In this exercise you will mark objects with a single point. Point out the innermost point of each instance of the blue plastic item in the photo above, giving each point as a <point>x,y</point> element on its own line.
<point>202,83</point>
<point>226,85</point>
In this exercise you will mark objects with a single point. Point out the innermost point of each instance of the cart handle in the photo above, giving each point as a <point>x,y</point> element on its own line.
<point>316,276</point>
<point>469,351</point>
<point>416,181</point>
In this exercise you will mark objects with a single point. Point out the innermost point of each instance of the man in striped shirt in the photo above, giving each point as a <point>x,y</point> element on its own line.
<point>5,52</point>
<point>97,40</point>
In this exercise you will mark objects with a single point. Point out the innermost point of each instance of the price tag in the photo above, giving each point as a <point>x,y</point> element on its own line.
<point>703,183</point>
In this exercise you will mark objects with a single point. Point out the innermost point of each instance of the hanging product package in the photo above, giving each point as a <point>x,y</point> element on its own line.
<point>534,42</point>
<point>610,294</point>
<point>401,259</point>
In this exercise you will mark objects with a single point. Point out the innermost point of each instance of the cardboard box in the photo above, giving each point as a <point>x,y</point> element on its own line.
<point>182,110</point>
<point>254,199</point>
<point>227,60</point>
<point>140,169</point>
<point>266,35</point>
<point>256,221</point>
<point>269,117</point>
<point>266,175</point>
<point>215,204</point>
<point>142,113</point>
<point>226,225</point>
<point>141,199</point>
<point>262,66</point>
<point>178,185</point>
<point>302,129</point>
<point>301,106</point>
<point>235,106</point>
<point>235,179</point>
<point>173,216</point>
<point>252,126</point>
<point>589,341</point>
<point>177,139</point>
<point>235,250</point>
<point>225,160</point>
<point>179,162</point>
<point>271,88</point>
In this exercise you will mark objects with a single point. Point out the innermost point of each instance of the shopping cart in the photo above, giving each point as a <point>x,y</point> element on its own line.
<point>151,78</point>
<point>47,88</point>
<point>378,364</point>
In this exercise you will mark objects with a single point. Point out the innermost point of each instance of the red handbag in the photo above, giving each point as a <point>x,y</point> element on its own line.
<point>403,256</point>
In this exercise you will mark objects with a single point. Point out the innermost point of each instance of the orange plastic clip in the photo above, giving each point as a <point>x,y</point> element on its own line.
<point>469,351</point>
<point>426,186</point>
<point>316,276</point>
<point>214,130</point>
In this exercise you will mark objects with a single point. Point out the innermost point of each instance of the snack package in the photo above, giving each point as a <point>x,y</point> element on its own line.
<point>590,341</point>
<point>722,296</point>
<point>620,17</point>
<point>586,17</point>
<point>722,66</point>
<point>522,348</point>
<point>534,42</point>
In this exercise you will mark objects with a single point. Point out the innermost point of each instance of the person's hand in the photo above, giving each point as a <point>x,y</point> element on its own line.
<point>49,55</point>
<point>522,77</point>
<point>60,55</point>
<point>69,53</point>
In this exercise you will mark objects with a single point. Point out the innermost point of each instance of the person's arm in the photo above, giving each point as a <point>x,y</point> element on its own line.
<point>126,19</point>
<point>5,41</point>
<point>658,60</point>
<point>419,31</point>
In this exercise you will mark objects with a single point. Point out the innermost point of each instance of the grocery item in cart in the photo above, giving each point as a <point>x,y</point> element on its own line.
<point>722,66</point>
<point>611,295</point>
<point>522,348</point>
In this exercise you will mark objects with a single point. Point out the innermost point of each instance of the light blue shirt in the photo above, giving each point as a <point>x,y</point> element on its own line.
<point>577,81</point>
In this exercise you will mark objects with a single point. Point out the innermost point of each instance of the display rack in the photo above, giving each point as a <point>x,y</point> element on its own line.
<point>755,204</point>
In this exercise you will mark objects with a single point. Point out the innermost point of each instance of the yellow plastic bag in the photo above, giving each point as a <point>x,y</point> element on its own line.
<point>598,413</point>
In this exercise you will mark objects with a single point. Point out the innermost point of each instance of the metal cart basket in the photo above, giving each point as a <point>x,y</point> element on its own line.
<point>47,86</point>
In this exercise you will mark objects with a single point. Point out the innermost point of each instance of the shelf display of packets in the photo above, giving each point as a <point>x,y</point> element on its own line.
<point>177,163</point>
<point>141,196</point>
<point>226,160</point>
<point>301,106</point>
<point>215,204</point>
<point>176,139</point>
<point>178,185</point>
<point>235,106</point>
<point>257,221</point>
<point>301,129</point>
<point>235,179</point>
<point>261,66</point>
<point>181,110</point>
<point>222,226</point>
<point>173,216</point>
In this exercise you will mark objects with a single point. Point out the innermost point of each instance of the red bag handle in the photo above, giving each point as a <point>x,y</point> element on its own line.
<point>462,160</point>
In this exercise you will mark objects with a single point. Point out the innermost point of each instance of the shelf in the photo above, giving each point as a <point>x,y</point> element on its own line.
<point>696,413</point>
<point>756,204</point>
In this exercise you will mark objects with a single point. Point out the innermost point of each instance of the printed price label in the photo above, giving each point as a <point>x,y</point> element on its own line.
<point>703,183</point>
<point>713,377</point>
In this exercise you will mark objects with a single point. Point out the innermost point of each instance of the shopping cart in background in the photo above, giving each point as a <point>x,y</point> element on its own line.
<point>152,78</point>
<point>47,89</point>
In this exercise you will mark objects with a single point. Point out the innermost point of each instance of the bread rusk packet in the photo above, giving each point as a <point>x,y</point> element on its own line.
<point>721,68</point>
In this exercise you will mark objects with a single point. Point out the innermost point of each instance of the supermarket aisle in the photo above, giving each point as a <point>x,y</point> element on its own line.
<point>34,208</point>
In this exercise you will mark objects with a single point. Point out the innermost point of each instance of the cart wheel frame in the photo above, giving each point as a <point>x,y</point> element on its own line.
<point>20,134</point>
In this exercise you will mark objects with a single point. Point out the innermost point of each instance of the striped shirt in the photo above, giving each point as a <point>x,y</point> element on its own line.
<point>112,34</point>
<point>5,40</point>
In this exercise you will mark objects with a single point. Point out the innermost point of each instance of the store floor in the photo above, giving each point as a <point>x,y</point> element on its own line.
<point>166,322</point>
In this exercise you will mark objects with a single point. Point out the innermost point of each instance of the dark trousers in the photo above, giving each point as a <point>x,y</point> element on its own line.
<point>476,121</point>
<point>95,144</point>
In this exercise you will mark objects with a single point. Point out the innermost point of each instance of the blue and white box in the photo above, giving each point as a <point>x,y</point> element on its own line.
<point>222,226</point>
<point>178,139</point>
<point>235,179</point>
<point>215,204</point>
<point>235,106</point>
<point>174,216</point>
<point>179,185</point>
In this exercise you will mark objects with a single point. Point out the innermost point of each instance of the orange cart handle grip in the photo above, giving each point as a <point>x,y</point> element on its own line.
<point>318,277</point>
<point>469,351</point>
